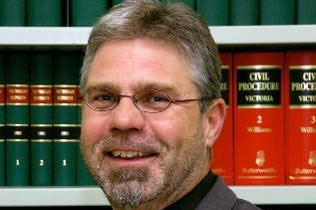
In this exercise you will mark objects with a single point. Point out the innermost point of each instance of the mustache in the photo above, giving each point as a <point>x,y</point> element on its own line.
<point>148,144</point>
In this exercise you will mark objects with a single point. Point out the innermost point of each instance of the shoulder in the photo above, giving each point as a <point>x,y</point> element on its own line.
<point>222,197</point>
<point>244,205</point>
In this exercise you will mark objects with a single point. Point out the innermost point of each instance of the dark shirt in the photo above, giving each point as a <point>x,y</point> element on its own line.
<point>211,194</point>
<point>193,198</point>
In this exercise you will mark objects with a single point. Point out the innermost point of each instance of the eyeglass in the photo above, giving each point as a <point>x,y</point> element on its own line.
<point>151,101</point>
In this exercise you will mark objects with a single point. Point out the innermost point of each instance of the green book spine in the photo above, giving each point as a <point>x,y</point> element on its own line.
<point>41,114</point>
<point>244,12</point>
<point>44,13</point>
<point>86,13</point>
<point>306,12</point>
<point>65,146</point>
<point>189,3</point>
<point>277,12</point>
<point>12,12</point>
<point>83,176</point>
<point>115,2</point>
<point>215,12</point>
<point>2,121</point>
<point>17,120</point>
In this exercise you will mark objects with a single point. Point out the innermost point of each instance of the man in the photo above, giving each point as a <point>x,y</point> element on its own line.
<point>152,109</point>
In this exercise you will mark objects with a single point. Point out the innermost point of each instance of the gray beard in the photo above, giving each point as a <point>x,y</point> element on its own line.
<point>126,187</point>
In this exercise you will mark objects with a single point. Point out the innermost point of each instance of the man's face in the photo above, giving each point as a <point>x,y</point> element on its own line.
<point>137,156</point>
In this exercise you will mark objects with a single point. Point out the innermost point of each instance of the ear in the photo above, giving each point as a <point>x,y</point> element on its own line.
<point>213,120</point>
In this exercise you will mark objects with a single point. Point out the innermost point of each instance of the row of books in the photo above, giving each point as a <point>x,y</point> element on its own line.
<point>40,119</point>
<point>53,12</point>
<point>269,136</point>
<point>215,12</point>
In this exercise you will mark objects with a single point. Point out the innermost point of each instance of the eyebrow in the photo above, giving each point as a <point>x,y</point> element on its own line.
<point>144,85</point>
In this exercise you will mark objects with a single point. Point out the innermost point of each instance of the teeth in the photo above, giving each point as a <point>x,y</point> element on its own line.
<point>128,154</point>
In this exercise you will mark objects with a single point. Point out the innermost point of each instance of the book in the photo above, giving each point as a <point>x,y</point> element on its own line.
<point>300,91</point>
<point>259,118</point>
<point>115,2</point>
<point>84,13</point>
<point>215,12</point>
<point>223,149</point>
<point>189,3</point>
<point>305,12</point>
<point>17,119</point>
<point>84,177</point>
<point>12,12</point>
<point>65,142</point>
<point>41,116</point>
<point>44,12</point>
<point>2,120</point>
<point>244,12</point>
<point>277,12</point>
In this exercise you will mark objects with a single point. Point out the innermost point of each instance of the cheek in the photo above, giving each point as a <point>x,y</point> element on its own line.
<point>92,126</point>
<point>175,129</point>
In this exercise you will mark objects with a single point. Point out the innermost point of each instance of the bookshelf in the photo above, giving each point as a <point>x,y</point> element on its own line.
<point>223,35</point>
<point>226,36</point>
<point>93,196</point>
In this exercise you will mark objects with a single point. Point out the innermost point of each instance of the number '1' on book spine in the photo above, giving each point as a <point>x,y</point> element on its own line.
<point>17,119</point>
<point>65,144</point>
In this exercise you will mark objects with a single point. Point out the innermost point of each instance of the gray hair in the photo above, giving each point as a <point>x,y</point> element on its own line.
<point>175,24</point>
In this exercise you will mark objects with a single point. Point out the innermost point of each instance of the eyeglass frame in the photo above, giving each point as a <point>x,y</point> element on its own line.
<point>134,100</point>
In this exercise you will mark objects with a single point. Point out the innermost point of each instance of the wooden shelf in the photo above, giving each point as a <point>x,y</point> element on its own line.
<point>93,196</point>
<point>223,35</point>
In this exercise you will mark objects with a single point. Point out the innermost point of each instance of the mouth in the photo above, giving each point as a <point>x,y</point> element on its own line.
<point>129,154</point>
<point>130,158</point>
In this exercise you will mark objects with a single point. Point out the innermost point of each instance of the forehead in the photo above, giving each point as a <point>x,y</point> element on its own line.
<point>129,63</point>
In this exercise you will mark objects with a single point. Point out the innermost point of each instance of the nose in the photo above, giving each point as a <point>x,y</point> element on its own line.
<point>126,115</point>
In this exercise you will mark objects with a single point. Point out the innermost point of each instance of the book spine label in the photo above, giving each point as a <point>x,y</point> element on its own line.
<point>301,117</point>
<point>222,154</point>
<point>259,117</point>
<point>17,94</point>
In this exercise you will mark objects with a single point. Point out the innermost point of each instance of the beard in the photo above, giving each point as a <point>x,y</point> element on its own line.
<point>131,187</point>
<point>127,187</point>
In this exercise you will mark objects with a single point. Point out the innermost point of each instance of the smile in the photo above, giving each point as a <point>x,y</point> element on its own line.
<point>129,154</point>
